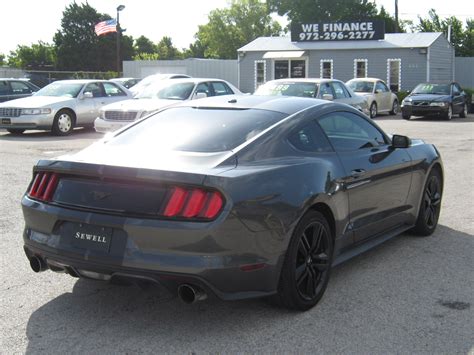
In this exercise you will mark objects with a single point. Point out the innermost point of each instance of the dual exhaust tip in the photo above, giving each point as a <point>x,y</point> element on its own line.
<point>187,293</point>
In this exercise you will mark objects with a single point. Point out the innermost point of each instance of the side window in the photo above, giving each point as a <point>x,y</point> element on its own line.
<point>221,88</point>
<point>380,87</point>
<point>310,138</point>
<point>325,88</point>
<point>204,88</point>
<point>339,91</point>
<point>456,90</point>
<point>95,89</point>
<point>4,88</point>
<point>348,131</point>
<point>113,90</point>
<point>20,88</point>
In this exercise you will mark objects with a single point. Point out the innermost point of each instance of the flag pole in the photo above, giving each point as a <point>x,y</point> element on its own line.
<point>119,33</point>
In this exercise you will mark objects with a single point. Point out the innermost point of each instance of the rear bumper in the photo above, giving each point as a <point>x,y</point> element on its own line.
<point>209,255</point>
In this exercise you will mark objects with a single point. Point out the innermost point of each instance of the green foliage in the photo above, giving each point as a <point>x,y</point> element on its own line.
<point>230,28</point>
<point>462,38</point>
<point>401,95</point>
<point>144,45</point>
<point>196,50</point>
<point>166,50</point>
<point>146,56</point>
<point>323,10</point>
<point>37,56</point>
<point>2,59</point>
<point>390,23</point>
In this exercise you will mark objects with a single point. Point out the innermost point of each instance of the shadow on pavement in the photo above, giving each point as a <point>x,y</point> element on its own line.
<point>78,133</point>
<point>407,295</point>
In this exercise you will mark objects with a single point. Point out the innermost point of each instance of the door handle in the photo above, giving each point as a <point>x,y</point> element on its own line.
<point>356,173</point>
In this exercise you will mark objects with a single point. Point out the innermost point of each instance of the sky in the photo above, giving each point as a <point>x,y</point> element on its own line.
<point>178,19</point>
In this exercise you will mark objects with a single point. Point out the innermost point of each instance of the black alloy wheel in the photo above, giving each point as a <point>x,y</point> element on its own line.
<point>307,265</point>
<point>430,207</point>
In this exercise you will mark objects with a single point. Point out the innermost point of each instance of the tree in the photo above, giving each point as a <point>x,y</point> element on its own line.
<point>461,39</point>
<point>166,50</point>
<point>323,10</point>
<point>38,56</point>
<point>144,45</point>
<point>195,50</point>
<point>2,59</point>
<point>230,28</point>
<point>390,22</point>
<point>79,48</point>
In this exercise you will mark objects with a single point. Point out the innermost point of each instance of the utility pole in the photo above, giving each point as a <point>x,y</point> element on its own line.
<point>396,17</point>
<point>119,33</point>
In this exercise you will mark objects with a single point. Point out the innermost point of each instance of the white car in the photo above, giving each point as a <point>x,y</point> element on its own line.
<point>146,81</point>
<point>160,94</point>
<point>61,106</point>
<point>378,95</point>
<point>326,89</point>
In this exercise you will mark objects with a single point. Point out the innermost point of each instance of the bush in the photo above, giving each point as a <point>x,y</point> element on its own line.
<point>401,95</point>
<point>470,94</point>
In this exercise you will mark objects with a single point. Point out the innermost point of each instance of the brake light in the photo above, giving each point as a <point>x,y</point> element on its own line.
<point>193,203</point>
<point>43,186</point>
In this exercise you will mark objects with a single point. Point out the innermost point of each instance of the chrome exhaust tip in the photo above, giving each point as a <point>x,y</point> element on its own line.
<point>190,294</point>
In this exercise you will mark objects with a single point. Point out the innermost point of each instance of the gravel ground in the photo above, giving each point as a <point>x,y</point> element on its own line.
<point>409,295</point>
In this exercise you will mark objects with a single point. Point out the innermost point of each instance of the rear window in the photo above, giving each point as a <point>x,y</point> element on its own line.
<point>203,130</point>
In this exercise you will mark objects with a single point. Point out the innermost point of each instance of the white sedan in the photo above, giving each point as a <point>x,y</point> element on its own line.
<point>61,106</point>
<point>160,94</point>
<point>377,93</point>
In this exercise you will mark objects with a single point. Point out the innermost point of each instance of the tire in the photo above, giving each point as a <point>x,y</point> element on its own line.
<point>307,265</point>
<point>406,116</point>
<point>394,110</point>
<point>430,206</point>
<point>449,113</point>
<point>373,110</point>
<point>463,113</point>
<point>16,131</point>
<point>63,123</point>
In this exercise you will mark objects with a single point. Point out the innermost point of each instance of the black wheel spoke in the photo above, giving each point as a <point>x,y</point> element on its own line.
<point>310,286</point>
<point>318,231</point>
<point>303,276</point>
<point>300,270</point>
<point>302,247</point>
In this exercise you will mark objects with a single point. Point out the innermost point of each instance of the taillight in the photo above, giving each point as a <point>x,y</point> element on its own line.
<point>43,186</point>
<point>193,203</point>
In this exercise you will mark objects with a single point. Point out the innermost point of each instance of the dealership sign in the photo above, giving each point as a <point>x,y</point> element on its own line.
<point>338,31</point>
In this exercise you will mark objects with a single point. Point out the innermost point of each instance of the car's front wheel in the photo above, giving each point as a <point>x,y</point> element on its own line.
<point>430,207</point>
<point>63,123</point>
<point>373,110</point>
<point>463,113</point>
<point>307,263</point>
<point>394,110</point>
<point>406,116</point>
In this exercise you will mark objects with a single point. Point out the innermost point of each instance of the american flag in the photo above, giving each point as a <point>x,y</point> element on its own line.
<point>105,27</point>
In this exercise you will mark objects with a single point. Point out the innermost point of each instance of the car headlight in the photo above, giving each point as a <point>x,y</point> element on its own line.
<point>406,102</point>
<point>439,104</point>
<point>35,111</point>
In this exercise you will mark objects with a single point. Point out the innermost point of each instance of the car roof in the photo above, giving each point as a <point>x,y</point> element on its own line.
<point>81,81</point>
<point>20,79</point>
<point>366,79</point>
<point>284,104</point>
<point>303,80</point>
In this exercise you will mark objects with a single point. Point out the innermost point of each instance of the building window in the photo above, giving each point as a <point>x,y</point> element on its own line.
<point>394,74</point>
<point>326,68</point>
<point>360,68</point>
<point>260,73</point>
<point>295,68</point>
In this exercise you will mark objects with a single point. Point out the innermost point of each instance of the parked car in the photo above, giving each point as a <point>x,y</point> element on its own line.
<point>11,89</point>
<point>126,82</point>
<point>155,77</point>
<point>61,106</point>
<point>237,196</point>
<point>159,94</point>
<point>378,95</point>
<point>443,100</point>
<point>326,89</point>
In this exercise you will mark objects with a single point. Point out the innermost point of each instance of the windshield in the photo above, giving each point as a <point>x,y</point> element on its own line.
<point>60,89</point>
<point>361,86</point>
<point>440,89</point>
<point>288,89</point>
<point>196,129</point>
<point>165,90</point>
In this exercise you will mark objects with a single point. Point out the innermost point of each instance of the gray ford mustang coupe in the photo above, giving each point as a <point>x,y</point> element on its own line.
<point>236,196</point>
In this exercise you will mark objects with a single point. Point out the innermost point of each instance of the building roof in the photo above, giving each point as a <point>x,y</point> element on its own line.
<point>392,40</point>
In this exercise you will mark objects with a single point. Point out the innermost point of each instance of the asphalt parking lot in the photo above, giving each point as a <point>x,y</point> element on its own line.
<point>409,295</point>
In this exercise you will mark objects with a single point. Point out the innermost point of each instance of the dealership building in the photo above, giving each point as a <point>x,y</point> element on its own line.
<point>347,50</point>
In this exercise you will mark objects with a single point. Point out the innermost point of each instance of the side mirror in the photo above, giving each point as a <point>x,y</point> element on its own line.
<point>399,141</point>
<point>87,95</point>
<point>328,97</point>
<point>200,95</point>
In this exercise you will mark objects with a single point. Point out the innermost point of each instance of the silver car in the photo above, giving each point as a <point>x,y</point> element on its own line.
<point>326,89</point>
<point>378,95</point>
<point>61,106</point>
<point>158,95</point>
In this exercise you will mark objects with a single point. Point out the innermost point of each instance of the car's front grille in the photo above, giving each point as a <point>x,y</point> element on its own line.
<point>121,115</point>
<point>10,112</point>
<point>421,103</point>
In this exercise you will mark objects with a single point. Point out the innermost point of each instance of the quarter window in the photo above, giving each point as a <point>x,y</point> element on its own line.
<point>381,87</point>
<point>347,131</point>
